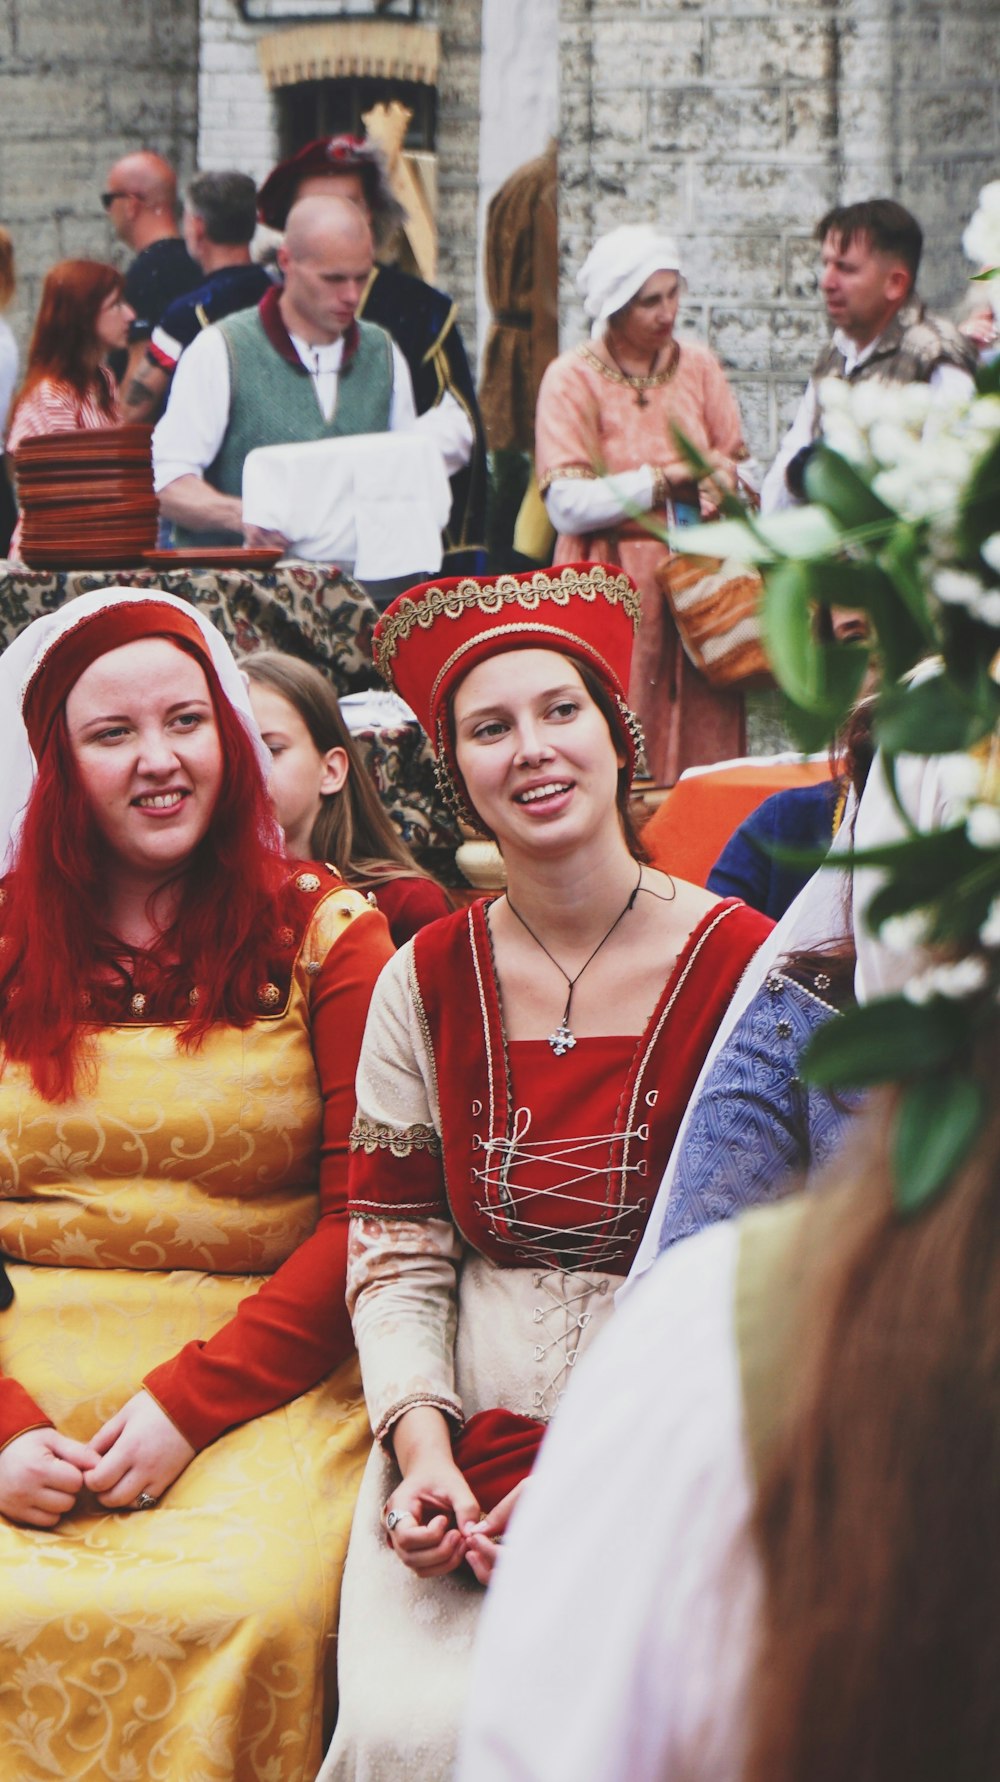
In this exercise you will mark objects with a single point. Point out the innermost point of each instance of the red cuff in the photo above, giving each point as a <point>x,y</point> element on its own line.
<point>18,1412</point>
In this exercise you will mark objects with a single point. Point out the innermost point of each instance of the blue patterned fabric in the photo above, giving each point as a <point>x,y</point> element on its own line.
<point>757,1126</point>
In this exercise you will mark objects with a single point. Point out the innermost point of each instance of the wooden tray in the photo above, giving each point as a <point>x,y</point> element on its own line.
<point>213,557</point>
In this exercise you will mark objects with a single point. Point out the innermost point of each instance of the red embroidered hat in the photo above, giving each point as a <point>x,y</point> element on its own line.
<point>429,638</point>
<point>328,154</point>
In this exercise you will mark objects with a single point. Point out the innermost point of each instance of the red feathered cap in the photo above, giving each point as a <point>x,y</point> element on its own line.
<point>328,154</point>
<point>64,662</point>
<point>429,638</point>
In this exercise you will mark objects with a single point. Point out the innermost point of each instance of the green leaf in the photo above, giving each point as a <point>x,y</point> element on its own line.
<point>978,513</point>
<point>696,462</point>
<point>719,538</point>
<point>934,717</point>
<point>841,488</point>
<point>805,532</point>
<point>801,532</point>
<point>811,730</point>
<point>792,647</point>
<point>937,1123</point>
<point>822,680</point>
<point>882,1042</point>
<point>900,557</point>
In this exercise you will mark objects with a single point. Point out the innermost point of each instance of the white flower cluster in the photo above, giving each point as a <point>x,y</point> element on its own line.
<point>989,933</point>
<point>982,826</point>
<point>957,587</point>
<point>981,240</point>
<point>964,977</point>
<point>918,450</point>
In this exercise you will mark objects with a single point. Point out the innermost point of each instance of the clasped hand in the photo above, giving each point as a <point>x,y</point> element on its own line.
<point>138,1450</point>
<point>439,1525</point>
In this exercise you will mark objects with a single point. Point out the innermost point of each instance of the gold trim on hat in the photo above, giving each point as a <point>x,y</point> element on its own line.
<point>559,586</point>
<point>560,637</point>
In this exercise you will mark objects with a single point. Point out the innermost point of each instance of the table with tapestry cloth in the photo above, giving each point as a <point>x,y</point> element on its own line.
<point>309,609</point>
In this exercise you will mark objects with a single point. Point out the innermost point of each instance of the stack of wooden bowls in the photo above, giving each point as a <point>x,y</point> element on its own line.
<point>86,498</point>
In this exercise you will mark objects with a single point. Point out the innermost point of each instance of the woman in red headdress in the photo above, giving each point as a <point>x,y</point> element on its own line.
<point>525,1068</point>
<point>180,1019</point>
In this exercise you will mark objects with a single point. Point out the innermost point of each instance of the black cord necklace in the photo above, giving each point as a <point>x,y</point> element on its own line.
<point>562,1040</point>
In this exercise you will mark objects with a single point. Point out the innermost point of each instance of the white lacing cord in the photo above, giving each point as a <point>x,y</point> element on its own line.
<point>509,1204</point>
<point>574,1323</point>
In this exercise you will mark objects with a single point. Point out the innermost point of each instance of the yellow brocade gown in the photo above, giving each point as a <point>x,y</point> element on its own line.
<point>195,1640</point>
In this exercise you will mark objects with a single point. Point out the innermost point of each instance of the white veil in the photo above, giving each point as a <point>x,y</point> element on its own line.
<point>22,657</point>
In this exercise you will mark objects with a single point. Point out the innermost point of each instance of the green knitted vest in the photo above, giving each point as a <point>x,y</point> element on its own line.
<point>273,404</point>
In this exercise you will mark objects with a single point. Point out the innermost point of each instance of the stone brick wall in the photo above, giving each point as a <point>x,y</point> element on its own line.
<point>737,125</point>
<point>238,126</point>
<point>458,158</point>
<point>82,83</point>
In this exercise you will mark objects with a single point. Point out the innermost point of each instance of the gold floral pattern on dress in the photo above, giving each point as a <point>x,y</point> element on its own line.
<point>376,1135</point>
<point>307,881</point>
<point>167,1197</point>
<point>268,995</point>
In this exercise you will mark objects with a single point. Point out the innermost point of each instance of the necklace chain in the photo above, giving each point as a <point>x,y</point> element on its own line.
<point>641,381</point>
<point>563,1040</point>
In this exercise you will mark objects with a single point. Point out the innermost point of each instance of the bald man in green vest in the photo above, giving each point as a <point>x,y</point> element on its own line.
<point>298,367</point>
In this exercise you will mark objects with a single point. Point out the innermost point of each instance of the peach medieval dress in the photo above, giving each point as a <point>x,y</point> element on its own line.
<point>594,422</point>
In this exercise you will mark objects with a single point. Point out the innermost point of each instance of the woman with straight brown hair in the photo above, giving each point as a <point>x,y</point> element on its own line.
<point>793,1490</point>
<point>324,797</point>
<point>525,1068</point>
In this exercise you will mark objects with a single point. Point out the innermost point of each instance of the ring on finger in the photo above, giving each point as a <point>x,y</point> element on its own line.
<point>145,1501</point>
<point>394,1517</point>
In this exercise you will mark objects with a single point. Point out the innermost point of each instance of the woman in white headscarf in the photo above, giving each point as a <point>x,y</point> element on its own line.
<point>181,1009</point>
<point>607,457</point>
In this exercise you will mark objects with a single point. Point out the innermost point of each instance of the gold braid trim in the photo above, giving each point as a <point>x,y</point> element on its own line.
<point>437,344</point>
<point>375,1135</point>
<point>567,473</point>
<point>617,376</point>
<point>560,586</point>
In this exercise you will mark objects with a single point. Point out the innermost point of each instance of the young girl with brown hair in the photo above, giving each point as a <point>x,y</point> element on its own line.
<point>324,798</point>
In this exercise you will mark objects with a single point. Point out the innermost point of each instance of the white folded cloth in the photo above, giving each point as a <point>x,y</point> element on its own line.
<point>375,709</point>
<point>377,501</point>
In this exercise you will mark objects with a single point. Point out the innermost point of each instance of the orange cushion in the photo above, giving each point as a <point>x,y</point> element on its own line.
<point>689,830</point>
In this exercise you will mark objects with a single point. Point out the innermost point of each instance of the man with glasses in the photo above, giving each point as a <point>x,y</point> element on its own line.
<point>140,198</point>
<point>220,217</point>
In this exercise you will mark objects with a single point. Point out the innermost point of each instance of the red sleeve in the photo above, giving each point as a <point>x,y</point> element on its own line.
<point>296,1329</point>
<point>18,1412</point>
<point>409,904</point>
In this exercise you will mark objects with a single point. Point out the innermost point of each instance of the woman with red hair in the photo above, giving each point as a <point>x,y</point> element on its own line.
<point>68,386</point>
<point>180,1020</point>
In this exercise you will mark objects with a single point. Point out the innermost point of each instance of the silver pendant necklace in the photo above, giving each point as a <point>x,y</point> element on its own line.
<point>563,1039</point>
